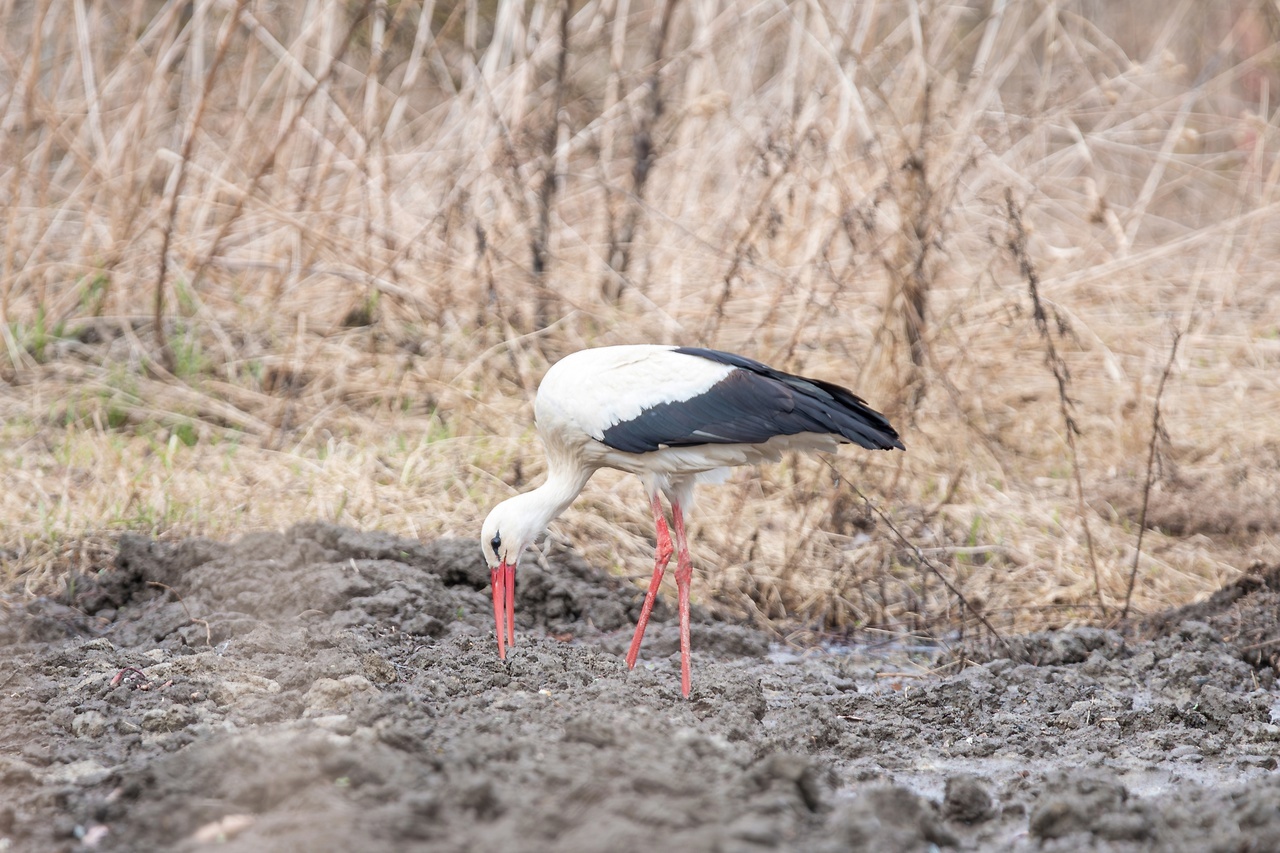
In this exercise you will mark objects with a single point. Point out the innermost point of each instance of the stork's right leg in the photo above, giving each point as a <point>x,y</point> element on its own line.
<point>684,575</point>
<point>661,558</point>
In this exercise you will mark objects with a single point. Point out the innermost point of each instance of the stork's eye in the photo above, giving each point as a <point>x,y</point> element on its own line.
<point>496,542</point>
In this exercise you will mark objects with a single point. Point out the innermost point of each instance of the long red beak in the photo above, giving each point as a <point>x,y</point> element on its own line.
<point>504,605</point>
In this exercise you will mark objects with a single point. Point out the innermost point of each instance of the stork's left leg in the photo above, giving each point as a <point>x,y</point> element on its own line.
<point>660,560</point>
<point>684,575</point>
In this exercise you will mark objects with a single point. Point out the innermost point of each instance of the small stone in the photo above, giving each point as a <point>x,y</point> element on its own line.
<point>169,719</point>
<point>89,724</point>
<point>231,692</point>
<point>87,772</point>
<point>224,829</point>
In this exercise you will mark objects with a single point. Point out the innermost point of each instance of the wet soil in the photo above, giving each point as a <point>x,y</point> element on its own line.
<point>326,689</point>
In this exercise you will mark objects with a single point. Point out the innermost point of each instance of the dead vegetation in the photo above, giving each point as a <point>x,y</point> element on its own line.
<point>271,262</point>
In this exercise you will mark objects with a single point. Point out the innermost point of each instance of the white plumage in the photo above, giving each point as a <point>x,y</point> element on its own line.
<point>675,417</point>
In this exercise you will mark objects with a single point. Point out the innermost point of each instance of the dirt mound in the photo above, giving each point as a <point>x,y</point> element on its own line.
<point>1244,613</point>
<point>1240,620</point>
<point>325,689</point>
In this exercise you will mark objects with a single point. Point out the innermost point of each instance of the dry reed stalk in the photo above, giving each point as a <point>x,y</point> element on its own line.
<point>26,84</point>
<point>1061,374</point>
<point>372,163</point>
<point>540,246</point>
<point>643,153</point>
<point>171,217</point>
<point>911,271</point>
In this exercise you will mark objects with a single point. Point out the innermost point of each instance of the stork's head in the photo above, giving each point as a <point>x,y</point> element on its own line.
<point>510,528</point>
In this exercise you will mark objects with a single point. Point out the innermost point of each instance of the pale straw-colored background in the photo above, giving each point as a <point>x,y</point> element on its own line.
<point>380,222</point>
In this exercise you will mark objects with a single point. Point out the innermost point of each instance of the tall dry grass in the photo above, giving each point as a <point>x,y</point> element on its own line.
<point>265,262</point>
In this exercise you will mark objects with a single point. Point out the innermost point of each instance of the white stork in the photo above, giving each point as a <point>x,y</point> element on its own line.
<point>674,416</point>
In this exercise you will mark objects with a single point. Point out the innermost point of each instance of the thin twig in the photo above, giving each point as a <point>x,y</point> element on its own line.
<point>1058,365</point>
<point>208,634</point>
<point>920,555</point>
<point>1157,430</point>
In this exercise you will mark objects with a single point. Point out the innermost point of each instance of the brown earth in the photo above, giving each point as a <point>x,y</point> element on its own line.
<point>326,689</point>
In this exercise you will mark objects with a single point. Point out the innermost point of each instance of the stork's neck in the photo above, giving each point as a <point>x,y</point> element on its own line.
<point>542,505</point>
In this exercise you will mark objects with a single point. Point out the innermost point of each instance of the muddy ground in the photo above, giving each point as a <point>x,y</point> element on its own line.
<point>325,689</point>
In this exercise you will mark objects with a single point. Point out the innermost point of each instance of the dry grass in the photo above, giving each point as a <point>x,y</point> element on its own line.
<point>271,262</point>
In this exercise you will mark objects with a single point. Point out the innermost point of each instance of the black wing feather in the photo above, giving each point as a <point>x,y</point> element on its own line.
<point>750,406</point>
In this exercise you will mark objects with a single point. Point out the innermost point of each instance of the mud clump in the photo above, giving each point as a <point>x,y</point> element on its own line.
<point>967,800</point>
<point>891,819</point>
<point>328,689</point>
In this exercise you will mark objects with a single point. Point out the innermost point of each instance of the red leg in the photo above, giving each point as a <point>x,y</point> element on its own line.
<point>661,558</point>
<point>684,575</point>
